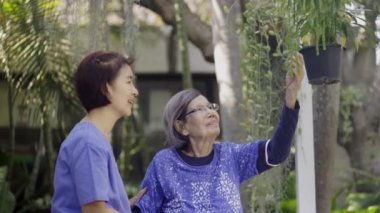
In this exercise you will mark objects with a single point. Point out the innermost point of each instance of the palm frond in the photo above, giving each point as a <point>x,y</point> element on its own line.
<point>36,55</point>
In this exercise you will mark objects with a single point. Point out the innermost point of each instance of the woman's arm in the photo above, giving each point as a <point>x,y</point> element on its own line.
<point>133,201</point>
<point>137,197</point>
<point>276,150</point>
<point>97,207</point>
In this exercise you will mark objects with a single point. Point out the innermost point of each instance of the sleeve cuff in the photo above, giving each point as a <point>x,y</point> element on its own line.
<point>289,114</point>
<point>296,107</point>
<point>266,155</point>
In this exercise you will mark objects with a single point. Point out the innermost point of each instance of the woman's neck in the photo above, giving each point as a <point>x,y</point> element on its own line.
<point>199,148</point>
<point>103,119</point>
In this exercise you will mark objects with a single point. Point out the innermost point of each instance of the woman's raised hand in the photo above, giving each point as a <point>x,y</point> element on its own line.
<point>293,80</point>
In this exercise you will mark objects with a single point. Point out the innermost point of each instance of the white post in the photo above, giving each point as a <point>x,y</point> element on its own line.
<point>305,174</point>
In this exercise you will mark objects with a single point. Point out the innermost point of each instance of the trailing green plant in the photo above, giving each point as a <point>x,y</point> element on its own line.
<point>262,81</point>
<point>349,100</point>
<point>263,89</point>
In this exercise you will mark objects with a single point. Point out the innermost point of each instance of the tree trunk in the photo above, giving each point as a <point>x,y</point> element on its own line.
<point>50,153</point>
<point>172,51</point>
<point>360,72</point>
<point>182,43</point>
<point>200,34</point>
<point>325,111</point>
<point>97,28</point>
<point>31,185</point>
<point>12,129</point>
<point>227,67</point>
<point>120,134</point>
<point>130,30</point>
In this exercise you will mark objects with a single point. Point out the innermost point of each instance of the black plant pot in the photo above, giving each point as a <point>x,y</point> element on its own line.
<point>324,68</point>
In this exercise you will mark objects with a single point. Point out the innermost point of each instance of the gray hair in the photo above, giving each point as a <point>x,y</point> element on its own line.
<point>175,110</point>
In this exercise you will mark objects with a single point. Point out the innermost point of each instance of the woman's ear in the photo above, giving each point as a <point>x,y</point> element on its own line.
<point>179,126</point>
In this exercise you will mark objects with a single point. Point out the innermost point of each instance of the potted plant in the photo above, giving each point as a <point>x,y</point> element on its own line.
<point>323,27</point>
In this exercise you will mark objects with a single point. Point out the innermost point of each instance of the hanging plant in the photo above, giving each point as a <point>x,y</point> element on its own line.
<point>323,28</point>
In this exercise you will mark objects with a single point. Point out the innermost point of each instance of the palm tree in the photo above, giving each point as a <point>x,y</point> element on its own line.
<point>35,59</point>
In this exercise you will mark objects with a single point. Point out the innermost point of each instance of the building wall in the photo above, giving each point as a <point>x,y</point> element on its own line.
<point>153,58</point>
<point>152,53</point>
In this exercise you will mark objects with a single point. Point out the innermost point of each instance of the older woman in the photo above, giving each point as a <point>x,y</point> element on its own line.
<point>197,174</point>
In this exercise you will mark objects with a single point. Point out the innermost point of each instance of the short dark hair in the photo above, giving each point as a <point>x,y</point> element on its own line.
<point>93,73</point>
<point>175,110</point>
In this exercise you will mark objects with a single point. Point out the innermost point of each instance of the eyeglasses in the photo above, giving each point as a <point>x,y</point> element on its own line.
<point>210,106</point>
